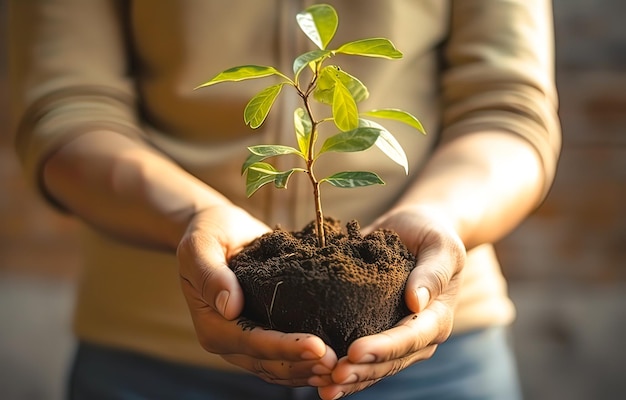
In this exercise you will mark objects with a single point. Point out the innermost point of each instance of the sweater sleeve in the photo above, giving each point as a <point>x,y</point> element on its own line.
<point>69,75</point>
<point>500,74</point>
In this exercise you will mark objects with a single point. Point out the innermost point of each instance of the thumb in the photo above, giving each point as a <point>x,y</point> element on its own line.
<point>203,265</point>
<point>439,262</point>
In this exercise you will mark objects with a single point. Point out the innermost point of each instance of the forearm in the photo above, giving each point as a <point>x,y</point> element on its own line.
<point>483,183</point>
<point>126,189</point>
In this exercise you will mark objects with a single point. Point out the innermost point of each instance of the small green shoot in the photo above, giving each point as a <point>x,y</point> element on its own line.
<point>329,85</point>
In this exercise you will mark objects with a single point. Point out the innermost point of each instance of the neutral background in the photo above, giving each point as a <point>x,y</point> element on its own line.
<point>566,264</point>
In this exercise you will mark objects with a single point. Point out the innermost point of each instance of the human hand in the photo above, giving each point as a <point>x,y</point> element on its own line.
<point>430,294</point>
<point>215,300</point>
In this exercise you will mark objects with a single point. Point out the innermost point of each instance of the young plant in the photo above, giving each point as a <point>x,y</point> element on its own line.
<point>329,85</point>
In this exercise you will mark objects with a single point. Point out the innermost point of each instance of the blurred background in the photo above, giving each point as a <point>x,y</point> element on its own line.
<point>566,264</point>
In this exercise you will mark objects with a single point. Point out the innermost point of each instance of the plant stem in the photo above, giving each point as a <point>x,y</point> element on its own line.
<point>319,215</point>
<point>317,198</point>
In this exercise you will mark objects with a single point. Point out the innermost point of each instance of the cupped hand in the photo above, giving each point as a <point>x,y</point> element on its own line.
<point>215,301</point>
<point>430,294</point>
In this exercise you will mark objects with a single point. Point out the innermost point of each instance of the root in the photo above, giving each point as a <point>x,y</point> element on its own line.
<point>271,309</point>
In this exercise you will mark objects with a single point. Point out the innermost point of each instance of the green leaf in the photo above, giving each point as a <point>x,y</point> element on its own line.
<point>271,150</point>
<point>374,47</point>
<point>307,58</point>
<point>388,144</point>
<point>352,179</point>
<point>260,174</point>
<point>325,89</point>
<point>303,127</point>
<point>358,139</point>
<point>260,105</point>
<point>357,89</point>
<point>264,151</point>
<point>243,72</point>
<point>252,159</point>
<point>345,112</point>
<point>325,86</point>
<point>282,178</point>
<point>397,115</point>
<point>319,22</point>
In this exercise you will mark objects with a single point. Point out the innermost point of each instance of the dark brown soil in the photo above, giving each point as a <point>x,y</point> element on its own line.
<point>352,287</point>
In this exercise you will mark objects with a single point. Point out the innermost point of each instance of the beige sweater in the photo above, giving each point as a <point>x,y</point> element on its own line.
<point>79,66</point>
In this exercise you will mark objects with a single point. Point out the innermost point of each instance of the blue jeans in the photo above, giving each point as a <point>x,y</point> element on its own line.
<point>477,365</point>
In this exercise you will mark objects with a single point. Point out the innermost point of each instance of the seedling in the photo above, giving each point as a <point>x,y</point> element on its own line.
<point>328,85</point>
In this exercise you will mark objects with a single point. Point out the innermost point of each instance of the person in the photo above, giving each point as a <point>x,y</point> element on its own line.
<point>109,129</point>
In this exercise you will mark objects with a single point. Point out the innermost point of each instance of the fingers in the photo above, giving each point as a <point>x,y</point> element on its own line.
<point>203,266</point>
<point>361,376</point>
<point>371,374</point>
<point>375,357</point>
<point>214,235</point>
<point>290,373</point>
<point>411,335</point>
<point>274,345</point>
<point>292,359</point>
<point>220,336</point>
<point>440,259</point>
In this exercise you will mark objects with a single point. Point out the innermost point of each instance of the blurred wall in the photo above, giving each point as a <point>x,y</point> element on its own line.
<point>566,263</point>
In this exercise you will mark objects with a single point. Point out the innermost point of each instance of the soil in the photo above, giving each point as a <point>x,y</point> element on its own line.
<point>352,287</point>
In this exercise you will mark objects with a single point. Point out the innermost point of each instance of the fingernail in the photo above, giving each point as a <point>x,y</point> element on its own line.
<point>366,359</point>
<point>221,301</point>
<point>423,297</point>
<point>338,395</point>
<point>350,379</point>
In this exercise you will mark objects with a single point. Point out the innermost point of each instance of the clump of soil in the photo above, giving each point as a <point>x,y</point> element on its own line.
<point>352,287</point>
